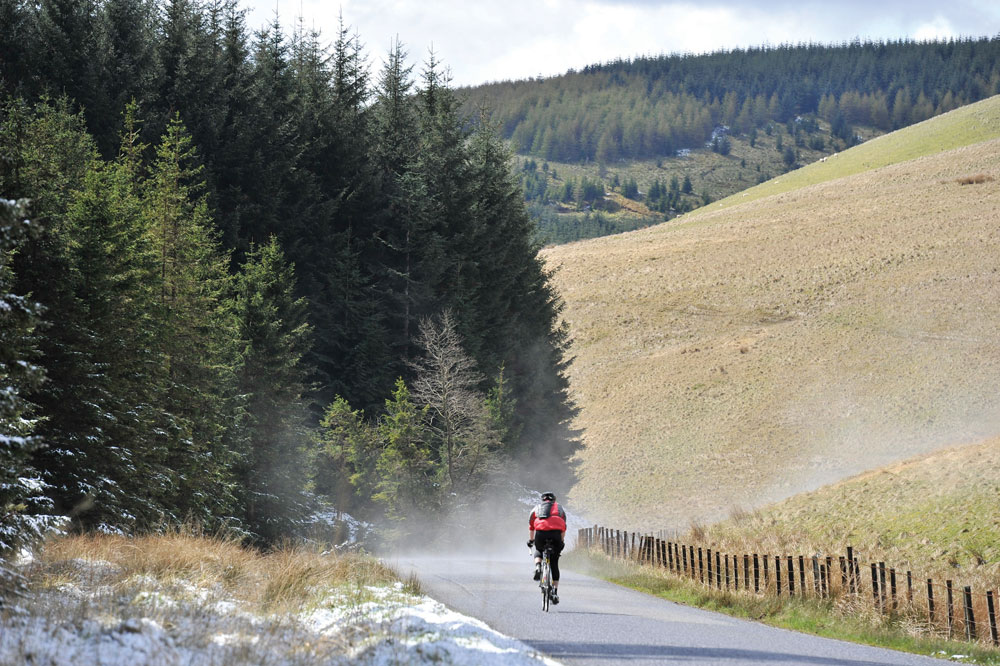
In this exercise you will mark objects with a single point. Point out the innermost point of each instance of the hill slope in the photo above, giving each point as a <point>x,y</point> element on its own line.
<point>965,126</point>
<point>931,513</point>
<point>738,356</point>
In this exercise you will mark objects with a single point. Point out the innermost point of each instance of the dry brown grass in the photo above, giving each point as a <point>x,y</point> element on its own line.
<point>759,351</point>
<point>279,581</point>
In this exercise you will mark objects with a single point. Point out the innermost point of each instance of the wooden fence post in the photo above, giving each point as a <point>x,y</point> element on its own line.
<point>823,574</point>
<point>736,573</point>
<point>670,556</point>
<point>727,572</point>
<point>970,618</point>
<point>767,573</point>
<point>708,554</point>
<point>829,574</point>
<point>746,571</point>
<point>777,575</point>
<point>815,561</point>
<point>756,574</point>
<point>718,572</point>
<point>701,566</point>
<point>992,616</point>
<point>930,602</point>
<point>802,574</point>
<point>881,581</point>
<point>951,608</point>
<point>875,594</point>
<point>852,581</point>
<point>909,588</point>
<point>791,575</point>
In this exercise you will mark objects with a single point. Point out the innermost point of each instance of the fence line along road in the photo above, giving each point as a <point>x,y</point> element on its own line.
<point>887,590</point>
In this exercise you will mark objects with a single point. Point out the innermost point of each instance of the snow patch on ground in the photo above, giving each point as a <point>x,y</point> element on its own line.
<point>142,623</point>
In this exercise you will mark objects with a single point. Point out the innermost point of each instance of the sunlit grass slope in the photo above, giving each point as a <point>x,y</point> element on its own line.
<point>752,352</point>
<point>938,514</point>
<point>963,127</point>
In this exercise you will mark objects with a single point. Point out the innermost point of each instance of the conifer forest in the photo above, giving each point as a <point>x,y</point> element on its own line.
<point>245,276</point>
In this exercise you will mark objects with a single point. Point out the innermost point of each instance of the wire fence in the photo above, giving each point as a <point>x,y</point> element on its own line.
<point>927,605</point>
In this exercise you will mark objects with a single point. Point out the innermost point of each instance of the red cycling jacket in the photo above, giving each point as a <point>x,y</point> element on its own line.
<point>556,518</point>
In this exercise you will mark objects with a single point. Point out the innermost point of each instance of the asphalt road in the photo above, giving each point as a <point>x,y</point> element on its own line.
<point>601,623</point>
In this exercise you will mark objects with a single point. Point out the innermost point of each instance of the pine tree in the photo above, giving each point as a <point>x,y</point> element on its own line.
<point>349,449</point>
<point>405,468</point>
<point>402,218</point>
<point>69,30</point>
<point>23,507</point>
<point>196,332</point>
<point>103,469</point>
<point>274,337</point>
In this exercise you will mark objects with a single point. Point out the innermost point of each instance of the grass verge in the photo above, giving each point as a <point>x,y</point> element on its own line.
<point>829,619</point>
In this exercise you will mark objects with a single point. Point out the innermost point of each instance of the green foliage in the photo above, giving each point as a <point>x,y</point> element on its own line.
<point>271,381</point>
<point>557,229</point>
<point>789,157</point>
<point>196,331</point>
<point>347,456</point>
<point>21,498</point>
<point>407,480</point>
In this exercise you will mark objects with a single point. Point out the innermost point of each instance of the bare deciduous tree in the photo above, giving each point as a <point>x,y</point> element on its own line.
<point>447,380</point>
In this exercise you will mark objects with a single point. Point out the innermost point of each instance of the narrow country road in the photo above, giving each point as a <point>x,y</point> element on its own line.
<point>601,623</point>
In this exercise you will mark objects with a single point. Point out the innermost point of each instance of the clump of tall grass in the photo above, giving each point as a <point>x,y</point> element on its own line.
<point>977,179</point>
<point>280,580</point>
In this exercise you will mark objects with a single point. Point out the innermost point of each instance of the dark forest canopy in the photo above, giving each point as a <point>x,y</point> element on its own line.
<point>653,106</point>
<point>235,235</point>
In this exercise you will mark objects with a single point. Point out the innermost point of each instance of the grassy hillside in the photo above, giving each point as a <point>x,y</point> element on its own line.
<point>711,174</point>
<point>965,126</point>
<point>935,514</point>
<point>742,354</point>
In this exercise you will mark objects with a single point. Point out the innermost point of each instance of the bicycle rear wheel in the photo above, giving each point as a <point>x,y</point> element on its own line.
<point>546,585</point>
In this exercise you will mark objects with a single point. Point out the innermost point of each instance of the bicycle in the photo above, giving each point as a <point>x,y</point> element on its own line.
<point>545,582</point>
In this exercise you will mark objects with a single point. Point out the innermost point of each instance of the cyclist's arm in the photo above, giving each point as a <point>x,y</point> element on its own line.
<point>531,526</point>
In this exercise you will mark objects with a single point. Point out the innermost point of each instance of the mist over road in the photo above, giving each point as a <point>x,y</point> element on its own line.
<point>601,623</point>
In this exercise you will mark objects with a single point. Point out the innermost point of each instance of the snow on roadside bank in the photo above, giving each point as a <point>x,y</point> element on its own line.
<point>142,623</point>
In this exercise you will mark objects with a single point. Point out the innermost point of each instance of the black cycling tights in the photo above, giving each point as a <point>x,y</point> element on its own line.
<point>555,539</point>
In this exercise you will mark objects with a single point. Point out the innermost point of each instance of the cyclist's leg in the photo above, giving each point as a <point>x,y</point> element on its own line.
<point>554,564</point>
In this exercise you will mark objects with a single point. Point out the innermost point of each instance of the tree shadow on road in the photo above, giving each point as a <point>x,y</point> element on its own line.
<point>603,652</point>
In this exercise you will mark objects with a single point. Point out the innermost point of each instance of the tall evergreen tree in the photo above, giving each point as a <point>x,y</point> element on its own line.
<point>196,331</point>
<point>22,504</point>
<point>274,338</point>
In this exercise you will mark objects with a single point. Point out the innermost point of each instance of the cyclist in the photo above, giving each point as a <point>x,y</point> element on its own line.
<point>547,526</point>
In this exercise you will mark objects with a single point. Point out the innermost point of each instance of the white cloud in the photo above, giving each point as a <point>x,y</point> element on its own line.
<point>938,28</point>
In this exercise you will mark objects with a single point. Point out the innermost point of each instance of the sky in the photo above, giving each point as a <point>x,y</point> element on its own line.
<point>481,41</point>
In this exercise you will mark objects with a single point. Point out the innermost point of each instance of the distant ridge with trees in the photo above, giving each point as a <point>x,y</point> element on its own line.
<point>647,107</point>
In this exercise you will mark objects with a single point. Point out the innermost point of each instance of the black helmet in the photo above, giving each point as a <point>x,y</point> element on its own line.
<point>548,496</point>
